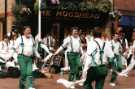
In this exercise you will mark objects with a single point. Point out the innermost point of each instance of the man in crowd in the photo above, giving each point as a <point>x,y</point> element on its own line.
<point>118,66</point>
<point>73,45</point>
<point>98,53</point>
<point>25,48</point>
<point>49,41</point>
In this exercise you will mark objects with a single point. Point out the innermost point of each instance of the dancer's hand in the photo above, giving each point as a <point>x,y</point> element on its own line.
<point>55,54</point>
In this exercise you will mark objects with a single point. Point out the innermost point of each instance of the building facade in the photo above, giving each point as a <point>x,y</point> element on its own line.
<point>126,9</point>
<point>9,19</point>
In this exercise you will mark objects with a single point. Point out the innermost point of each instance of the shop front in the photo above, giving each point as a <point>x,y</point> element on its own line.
<point>58,17</point>
<point>59,22</point>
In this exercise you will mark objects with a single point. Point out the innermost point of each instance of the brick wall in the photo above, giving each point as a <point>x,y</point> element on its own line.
<point>125,5</point>
<point>10,17</point>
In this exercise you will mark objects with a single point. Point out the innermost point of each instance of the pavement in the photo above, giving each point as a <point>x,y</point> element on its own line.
<point>44,83</point>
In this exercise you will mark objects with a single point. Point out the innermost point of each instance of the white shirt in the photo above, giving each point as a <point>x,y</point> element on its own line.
<point>28,48</point>
<point>89,38</point>
<point>5,51</point>
<point>134,44</point>
<point>116,47</point>
<point>133,47</point>
<point>12,46</point>
<point>10,64</point>
<point>42,45</point>
<point>49,41</point>
<point>126,43</point>
<point>3,47</point>
<point>92,45</point>
<point>72,44</point>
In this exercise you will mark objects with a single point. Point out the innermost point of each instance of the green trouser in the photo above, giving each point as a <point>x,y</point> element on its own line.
<point>75,66</point>
<point>97,74</point>
<point>117,67</point>
<point>26,77</point>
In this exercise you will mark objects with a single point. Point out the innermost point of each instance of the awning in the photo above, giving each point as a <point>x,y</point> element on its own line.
<point>127,21</point>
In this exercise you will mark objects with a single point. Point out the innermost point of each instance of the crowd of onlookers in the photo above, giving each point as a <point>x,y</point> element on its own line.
<point>122,49</point>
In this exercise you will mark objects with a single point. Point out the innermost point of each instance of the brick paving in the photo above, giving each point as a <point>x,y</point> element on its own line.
<point>44,83</point>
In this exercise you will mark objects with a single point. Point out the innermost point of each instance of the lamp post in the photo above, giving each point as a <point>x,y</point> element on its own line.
<point>5,18</point>
<point>39,20</point>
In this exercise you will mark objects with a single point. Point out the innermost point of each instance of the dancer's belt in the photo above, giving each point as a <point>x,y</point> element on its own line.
<point>73,52</point>
<point>25,55</point>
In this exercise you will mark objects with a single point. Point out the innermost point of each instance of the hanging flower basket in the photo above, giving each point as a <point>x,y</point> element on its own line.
<point>98,5</point>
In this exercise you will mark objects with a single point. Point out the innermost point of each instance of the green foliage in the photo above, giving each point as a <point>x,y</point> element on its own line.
<point>36,7</point>
<point>86,5</point>
<point>104,5</point>
<point>67,6</point>
<point>16,11</point>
